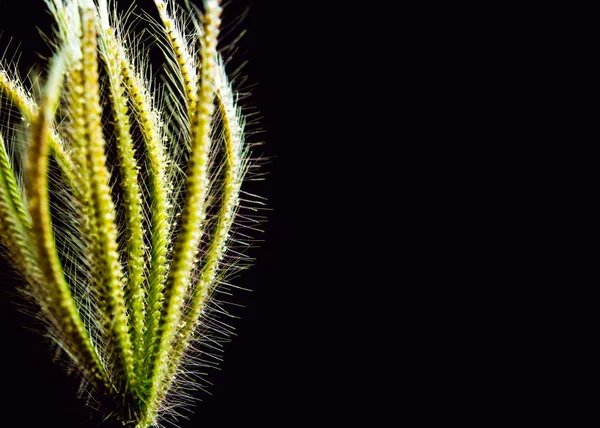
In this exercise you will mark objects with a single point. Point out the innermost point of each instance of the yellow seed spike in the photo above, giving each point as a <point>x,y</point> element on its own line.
<point>104,207</point>
<point>122,280</point>
<point>230,187</point>
<point>194,213</point>
<point>132,199</point>
<point>160,192</point>
<point>182,54</point>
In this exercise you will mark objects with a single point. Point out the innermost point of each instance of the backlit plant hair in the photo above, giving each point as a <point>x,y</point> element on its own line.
<point>120,197</point>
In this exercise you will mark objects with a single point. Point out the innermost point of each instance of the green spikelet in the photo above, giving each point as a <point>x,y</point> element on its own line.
<point>122,261</point>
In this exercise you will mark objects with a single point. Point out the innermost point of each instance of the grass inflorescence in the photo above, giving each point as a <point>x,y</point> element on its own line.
<point>119,198</point>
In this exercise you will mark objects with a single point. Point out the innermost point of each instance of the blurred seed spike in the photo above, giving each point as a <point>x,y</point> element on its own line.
<point>56,290</point>
<point>121,245</point>
<point>13,90</point>
<point>14,219</point>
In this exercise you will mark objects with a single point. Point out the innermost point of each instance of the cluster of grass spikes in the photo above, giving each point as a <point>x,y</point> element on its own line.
<point>118,195</point>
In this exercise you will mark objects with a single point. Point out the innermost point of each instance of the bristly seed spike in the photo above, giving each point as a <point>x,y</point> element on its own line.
<point>120,187</point>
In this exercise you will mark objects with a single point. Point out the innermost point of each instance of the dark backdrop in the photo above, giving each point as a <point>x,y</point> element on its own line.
<point>266,377</point>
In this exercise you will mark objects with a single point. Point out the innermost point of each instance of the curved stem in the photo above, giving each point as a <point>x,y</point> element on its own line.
<point>65,313</point>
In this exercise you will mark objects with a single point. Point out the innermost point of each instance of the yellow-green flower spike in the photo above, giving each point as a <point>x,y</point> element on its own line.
<point>111,268</point>
<point>194,211</point>
<point>132,199</point>
<point>119,197</point>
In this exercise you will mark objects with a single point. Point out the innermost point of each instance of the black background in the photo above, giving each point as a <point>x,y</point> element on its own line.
<point>268,374</point>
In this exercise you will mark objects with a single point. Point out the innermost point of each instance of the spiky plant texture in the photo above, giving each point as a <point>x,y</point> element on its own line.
<point>118,198</point>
